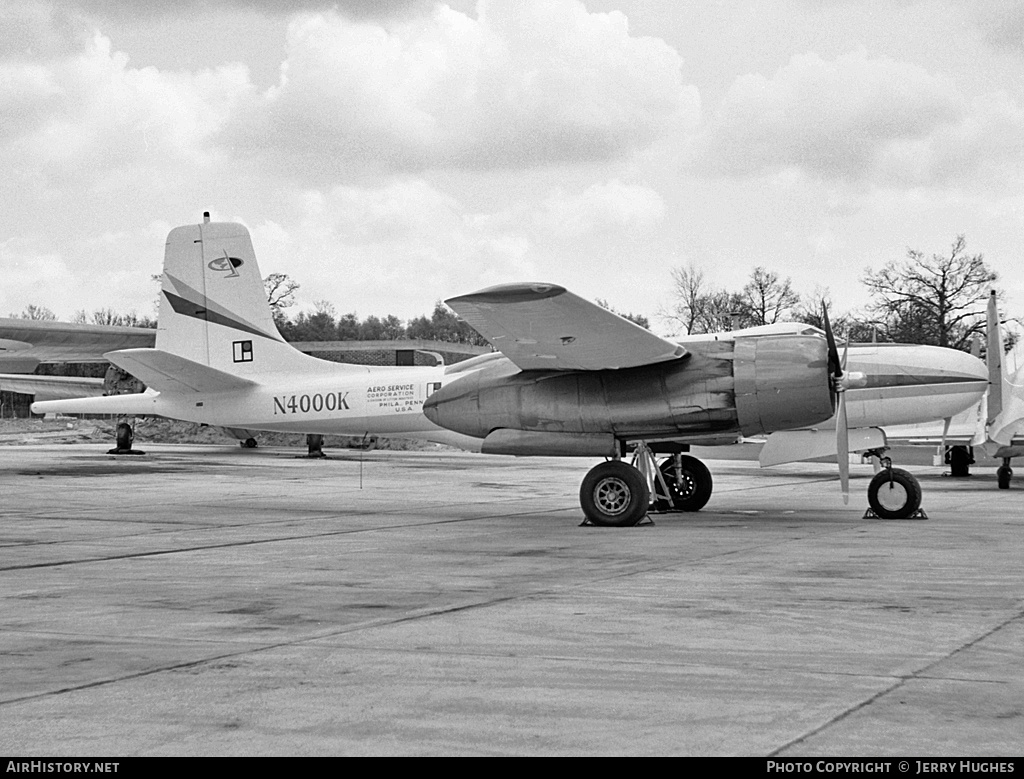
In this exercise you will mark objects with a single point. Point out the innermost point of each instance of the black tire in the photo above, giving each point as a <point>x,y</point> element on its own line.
<point>960,461</point>
<point>614,494</point>
<point>894,494</point>
<point>249,443</point>
<point>124,436</point>
<point>1004,474</point>
<point>691,488</point>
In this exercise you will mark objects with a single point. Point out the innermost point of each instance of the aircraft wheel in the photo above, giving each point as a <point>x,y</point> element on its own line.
<point>124,436</point>
<point>249,443</point>
<point>690,488</point>
<point>959,461</point>
<point>614,494</point>
<point>1004,473</point>
<point>894,494</point>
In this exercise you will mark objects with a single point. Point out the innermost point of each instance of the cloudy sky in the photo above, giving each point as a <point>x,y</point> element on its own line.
<point>386,155</point>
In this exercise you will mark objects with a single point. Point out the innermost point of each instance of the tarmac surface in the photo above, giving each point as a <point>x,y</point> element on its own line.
<point>205,600</point>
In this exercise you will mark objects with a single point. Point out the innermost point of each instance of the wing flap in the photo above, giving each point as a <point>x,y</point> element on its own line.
<point>167,372</point>
<point>546,327</point>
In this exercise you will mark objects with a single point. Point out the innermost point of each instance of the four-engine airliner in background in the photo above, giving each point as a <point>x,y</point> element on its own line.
<point>571,378</point>
<point>995,423</point>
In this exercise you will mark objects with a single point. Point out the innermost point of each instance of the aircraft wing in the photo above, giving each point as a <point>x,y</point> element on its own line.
<point>51,387</point>
<point>166,372</point>
<point>546,327</point>
<point>42,341</point>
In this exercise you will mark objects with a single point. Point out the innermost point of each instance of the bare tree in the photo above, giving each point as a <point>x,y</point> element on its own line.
<point>636,319</point>
<point>766,300</point>
<point>280,292</point>
<point>38,313</point>
<point>698,307</point>
<point>938,300</point>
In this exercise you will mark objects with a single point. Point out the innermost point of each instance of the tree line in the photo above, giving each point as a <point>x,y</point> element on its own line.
<point>938,299</point>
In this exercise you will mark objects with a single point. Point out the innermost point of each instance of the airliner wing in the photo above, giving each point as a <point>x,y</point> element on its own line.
<point>51,387</point>
<point>46,341</point>
<point>166,372</point>
<point>546,327</point>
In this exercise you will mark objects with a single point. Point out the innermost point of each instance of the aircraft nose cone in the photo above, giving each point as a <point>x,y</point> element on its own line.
<point>960,365</point>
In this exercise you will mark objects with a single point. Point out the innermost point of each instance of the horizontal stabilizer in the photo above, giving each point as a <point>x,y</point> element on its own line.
<point>137,404</point>
<point>546,327</point>
<point>170,373</point>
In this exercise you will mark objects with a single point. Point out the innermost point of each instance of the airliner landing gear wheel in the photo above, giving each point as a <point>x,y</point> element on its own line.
<point>614,494</point>
<point>690,489</point>
<point>124,436</point>
<point>1004,473</point>
<point>894,494</point>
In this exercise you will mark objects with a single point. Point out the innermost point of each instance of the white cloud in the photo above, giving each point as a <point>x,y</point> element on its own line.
<point>831,118</point>
<point>88,113</point>
<point>1001,21</point>
<point>408,242</point>
<point>858,119</point>
<point>602,207</point>
<point>526,83</point>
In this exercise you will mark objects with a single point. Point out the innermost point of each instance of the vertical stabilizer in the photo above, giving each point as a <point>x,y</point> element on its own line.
<point>213,307</point>
<point>1005,393</point>
<point>994,359</point>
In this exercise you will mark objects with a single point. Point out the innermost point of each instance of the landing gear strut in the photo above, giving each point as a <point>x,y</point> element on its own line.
<point>893,492</point>
<point>686,484</point>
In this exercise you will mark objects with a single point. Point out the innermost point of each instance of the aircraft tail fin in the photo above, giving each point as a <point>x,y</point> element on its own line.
<point>1005,401</point>
<point>994,359</point>
<point>213,307</point>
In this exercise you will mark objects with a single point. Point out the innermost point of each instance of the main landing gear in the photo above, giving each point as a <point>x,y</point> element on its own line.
<point>960,458</point>
<point>124,437</point>
<point>893,492</point>
<point>1004,473</point>
<point>617,494</point>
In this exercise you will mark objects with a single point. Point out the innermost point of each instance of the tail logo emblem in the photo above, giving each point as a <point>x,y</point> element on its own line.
<point>226,265</point>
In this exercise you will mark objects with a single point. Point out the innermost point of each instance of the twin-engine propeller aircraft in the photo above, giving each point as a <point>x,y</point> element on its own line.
<point>219,359</point>
<point>578,380</point>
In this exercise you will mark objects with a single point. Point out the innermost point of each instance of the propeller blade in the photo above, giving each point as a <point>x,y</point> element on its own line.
<point>837,367</point>
<point>843,448</point>
<point>834,363</point>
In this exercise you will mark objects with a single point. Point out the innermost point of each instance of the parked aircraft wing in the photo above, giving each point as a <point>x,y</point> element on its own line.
<point>67,342</point>
<point>168,372</point>
<point>546,327</point>
<point>51,387</point>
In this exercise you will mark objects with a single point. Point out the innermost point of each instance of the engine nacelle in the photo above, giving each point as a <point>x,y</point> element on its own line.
<point>746,386</point>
